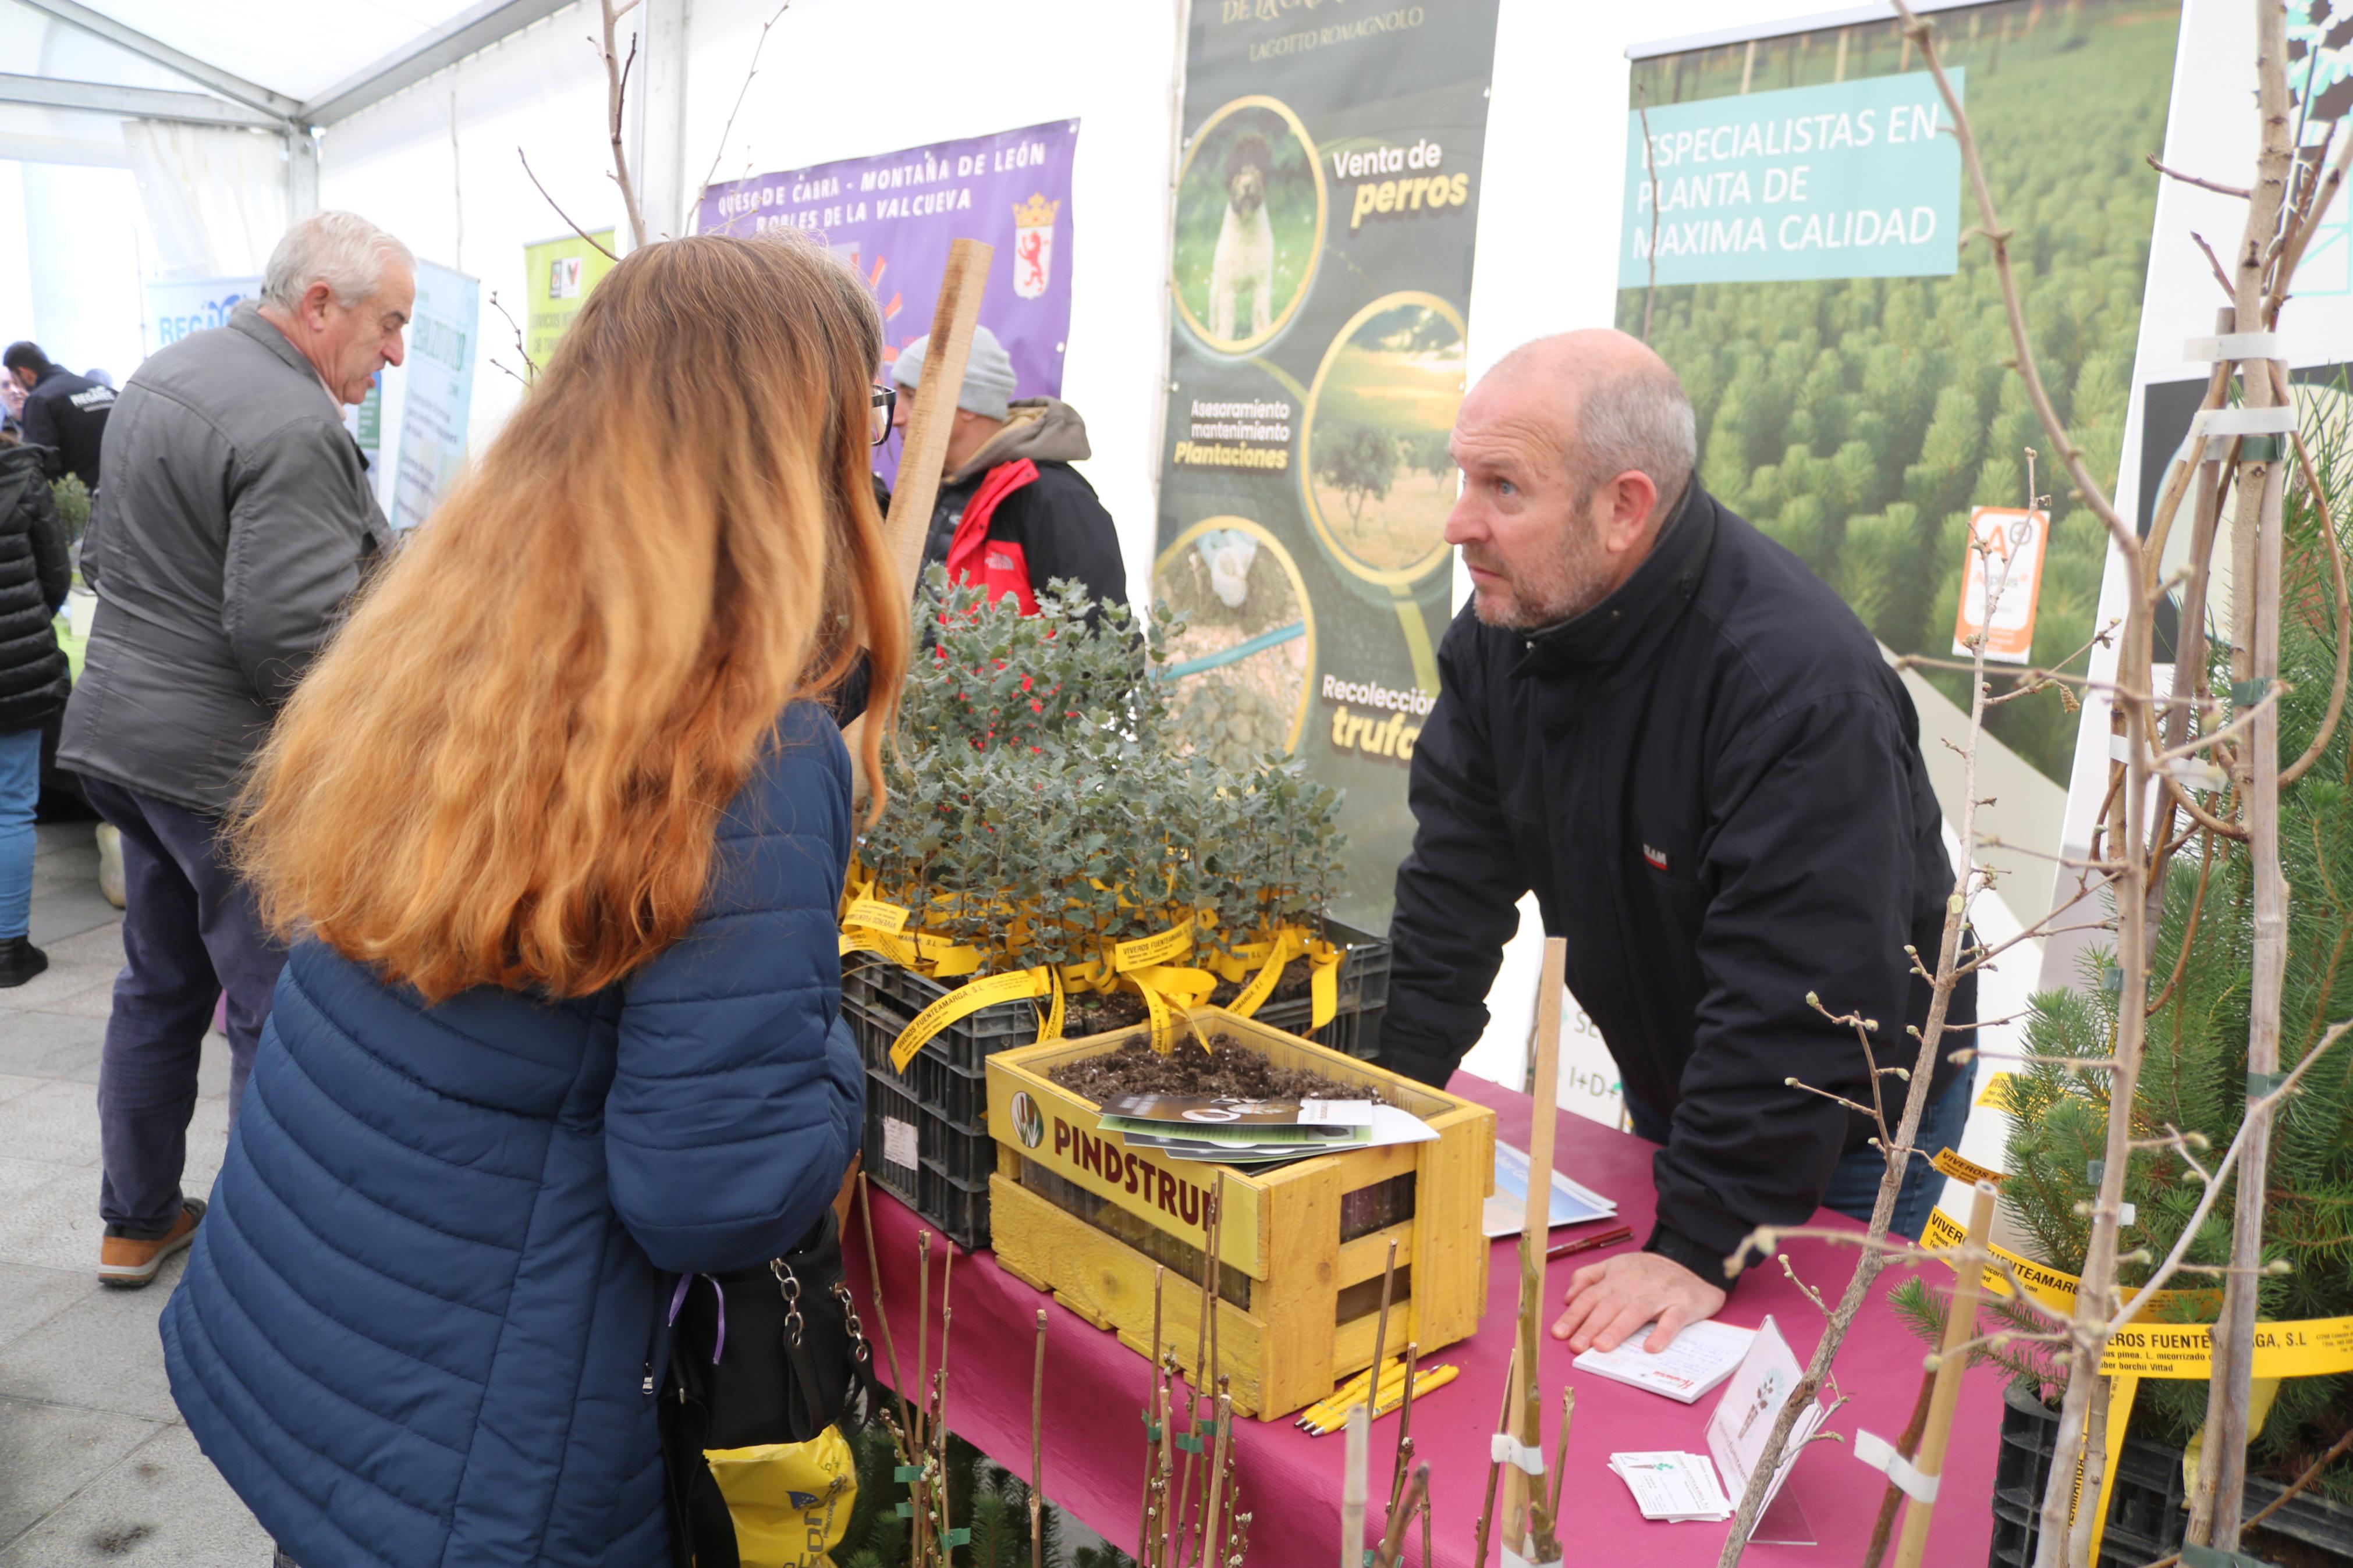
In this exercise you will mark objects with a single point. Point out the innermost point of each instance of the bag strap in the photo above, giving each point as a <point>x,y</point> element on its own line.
<point>702,1530</point>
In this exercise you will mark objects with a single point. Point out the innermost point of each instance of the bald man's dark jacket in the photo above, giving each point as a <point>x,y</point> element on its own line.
<point>1712,781</point>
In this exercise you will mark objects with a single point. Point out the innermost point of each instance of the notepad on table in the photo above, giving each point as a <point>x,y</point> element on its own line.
<point>1695,1362</point>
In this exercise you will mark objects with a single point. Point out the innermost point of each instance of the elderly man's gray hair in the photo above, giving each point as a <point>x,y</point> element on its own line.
<point>1637,419</point>
<point>342,251</point>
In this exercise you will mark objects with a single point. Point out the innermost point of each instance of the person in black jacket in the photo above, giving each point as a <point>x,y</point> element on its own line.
<point>34,576</point>
<point>64,412</point>
<point>1012,514</point>
<point>1692,751</point>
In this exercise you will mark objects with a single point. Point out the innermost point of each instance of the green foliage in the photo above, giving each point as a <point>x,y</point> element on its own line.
<point>1851,419</point>
<point>73,505</point>
<point>1426,452</point>
<point>1036,782</point>
<point>1360,462</point>
<point>2031,1365</point>
<point>2194,1075</point>
<point>989,1499</point>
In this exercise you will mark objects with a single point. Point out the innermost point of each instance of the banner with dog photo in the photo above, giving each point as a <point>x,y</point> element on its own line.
<point>1326,202</point>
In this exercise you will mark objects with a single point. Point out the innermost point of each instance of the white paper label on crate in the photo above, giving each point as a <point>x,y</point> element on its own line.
<point>898,1142</point>
<point>1336,1114</point>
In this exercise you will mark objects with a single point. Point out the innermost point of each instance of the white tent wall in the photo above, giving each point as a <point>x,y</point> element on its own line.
<point>437,165</point>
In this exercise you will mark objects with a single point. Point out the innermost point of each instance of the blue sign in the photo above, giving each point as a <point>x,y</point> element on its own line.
<point>194,305</point>
<point>1856,179</point>
<point>444,330</point>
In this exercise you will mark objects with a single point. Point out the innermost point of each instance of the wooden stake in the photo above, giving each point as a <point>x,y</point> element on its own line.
<point>1352,1490</point>
<point>1156,1415</point>
<point>1382,1328</point>
<point>923,451</point>
<point>1560,1450</point>
<point>1487,1509</point>
<point>1225,1419</point>
<point>1960,1327</point>
<point>1405,1429</point>
<point>923,1336</point>
<point>925,448</point>
<point>1526,1514</point>
<point>1038,1447</point>
<point>874,1282</point>
<point>1883,1528</point>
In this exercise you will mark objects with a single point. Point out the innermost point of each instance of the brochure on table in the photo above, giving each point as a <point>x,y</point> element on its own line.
<point>1571,1203</point>
<point>1745,1417</point>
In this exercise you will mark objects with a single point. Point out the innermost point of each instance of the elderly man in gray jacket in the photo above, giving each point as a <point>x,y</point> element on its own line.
<point>235,522</point>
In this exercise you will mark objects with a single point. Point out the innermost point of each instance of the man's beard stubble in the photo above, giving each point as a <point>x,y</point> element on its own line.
<point>1558,589</point>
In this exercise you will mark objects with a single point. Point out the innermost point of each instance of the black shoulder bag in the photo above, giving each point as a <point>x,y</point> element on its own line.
<point>757,1356</point>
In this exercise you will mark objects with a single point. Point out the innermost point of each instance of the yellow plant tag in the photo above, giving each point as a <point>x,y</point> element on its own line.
<point>874,914</point>
<point>2055,1287</point>
<point>964,1001</point>
<point>2311,1347</point>
<point>865,938</point>
<point>1157,1005</point>
<point>1324,983</point>
<point>1960,1170</point>
<point>1289,944</point>
<point>1053,1021</point>
<point>944,958</point>
<point>1161,947</point>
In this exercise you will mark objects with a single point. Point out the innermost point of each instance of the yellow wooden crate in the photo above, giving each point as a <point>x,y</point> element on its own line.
<point>1075,1211</point>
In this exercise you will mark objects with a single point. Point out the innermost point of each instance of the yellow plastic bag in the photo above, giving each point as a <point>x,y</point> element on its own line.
<point>791,1500</point>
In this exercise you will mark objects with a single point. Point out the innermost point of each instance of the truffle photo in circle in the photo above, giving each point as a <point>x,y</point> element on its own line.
<point>1249,221</point>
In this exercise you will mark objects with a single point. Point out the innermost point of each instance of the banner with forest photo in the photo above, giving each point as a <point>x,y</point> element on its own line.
<point>1320,276</point>
<point>1805,266</point>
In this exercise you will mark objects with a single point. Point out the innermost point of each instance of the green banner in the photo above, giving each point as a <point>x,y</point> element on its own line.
<point>1851,179</point>
<point>1854,400</point>
<point>559,274</point>
<point>1326,203</point>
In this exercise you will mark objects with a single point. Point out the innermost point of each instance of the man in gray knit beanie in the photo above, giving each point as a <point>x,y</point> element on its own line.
<point>1012,514</point>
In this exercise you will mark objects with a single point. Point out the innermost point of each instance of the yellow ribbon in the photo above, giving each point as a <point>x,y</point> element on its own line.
<point>964,1001</point>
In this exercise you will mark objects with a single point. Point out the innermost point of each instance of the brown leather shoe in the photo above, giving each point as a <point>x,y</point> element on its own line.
<point>128,1263</point>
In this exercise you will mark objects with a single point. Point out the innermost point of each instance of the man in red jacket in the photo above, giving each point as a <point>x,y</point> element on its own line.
<point>1012,514</point>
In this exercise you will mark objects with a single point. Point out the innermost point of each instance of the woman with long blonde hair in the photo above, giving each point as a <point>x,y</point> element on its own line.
<point>558,827</point>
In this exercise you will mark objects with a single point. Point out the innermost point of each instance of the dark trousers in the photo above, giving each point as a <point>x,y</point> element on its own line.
<point>190,932</point>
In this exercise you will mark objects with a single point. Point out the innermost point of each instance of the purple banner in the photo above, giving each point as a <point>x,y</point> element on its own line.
<point>894,215</point>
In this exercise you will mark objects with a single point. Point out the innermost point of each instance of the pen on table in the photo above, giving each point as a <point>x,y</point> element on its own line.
<point>1587,1243</point>
<point>1392,1394</point>
<point>1332,1408</point>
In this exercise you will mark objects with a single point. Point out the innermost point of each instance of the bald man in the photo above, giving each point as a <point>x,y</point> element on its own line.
<point>1662,723</point>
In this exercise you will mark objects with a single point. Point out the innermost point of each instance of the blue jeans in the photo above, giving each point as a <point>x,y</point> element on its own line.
<point>20,792</point>
<point>1854,1184</point>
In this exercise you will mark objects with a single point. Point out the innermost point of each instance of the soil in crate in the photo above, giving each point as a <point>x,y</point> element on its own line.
<point>1226,1068</point>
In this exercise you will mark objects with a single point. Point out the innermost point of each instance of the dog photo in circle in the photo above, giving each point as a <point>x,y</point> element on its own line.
<point>1248,218</point>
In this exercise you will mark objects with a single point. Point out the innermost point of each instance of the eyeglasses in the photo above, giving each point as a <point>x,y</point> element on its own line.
<point>883,413</point>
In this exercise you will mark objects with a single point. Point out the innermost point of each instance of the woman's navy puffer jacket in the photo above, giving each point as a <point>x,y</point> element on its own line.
<point>419,1322</point>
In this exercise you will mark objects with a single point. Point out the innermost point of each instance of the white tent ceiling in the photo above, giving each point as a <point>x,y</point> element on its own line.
<point>266,63</point>
<point>291,46</point>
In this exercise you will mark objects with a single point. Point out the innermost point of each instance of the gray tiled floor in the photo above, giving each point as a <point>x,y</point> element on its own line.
<point>95,1465</point>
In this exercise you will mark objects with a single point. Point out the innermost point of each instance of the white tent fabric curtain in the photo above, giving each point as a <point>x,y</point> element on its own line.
<point>215,197</point>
